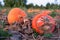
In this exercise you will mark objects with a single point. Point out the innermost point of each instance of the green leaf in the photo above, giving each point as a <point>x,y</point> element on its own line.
<point>2,23</point>
<point>4,33</point>
<point>35,33</point>
<point>48,35</point>
<point>53,14</point>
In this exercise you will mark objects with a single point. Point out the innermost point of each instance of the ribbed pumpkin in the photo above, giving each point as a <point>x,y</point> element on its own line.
<point>37,23</point>
<point>14,15</point>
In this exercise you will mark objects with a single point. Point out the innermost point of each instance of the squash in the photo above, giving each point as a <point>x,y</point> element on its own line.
<point>15,14</point>
<point>37,22</point>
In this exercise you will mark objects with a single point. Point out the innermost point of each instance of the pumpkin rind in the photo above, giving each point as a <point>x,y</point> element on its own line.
<point>14,15</point>
<point>35,19</point>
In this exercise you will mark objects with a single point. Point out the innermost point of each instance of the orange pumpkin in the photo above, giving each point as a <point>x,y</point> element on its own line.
<point>14,15</point>
<point>36,22</point>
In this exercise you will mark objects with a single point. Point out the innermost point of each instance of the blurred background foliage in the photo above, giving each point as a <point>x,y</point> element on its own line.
<point>22,3</point>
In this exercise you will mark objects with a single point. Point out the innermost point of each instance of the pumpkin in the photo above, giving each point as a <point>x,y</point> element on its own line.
<point>33,10</point>
<point>15,14</point>
<point>38,22</point>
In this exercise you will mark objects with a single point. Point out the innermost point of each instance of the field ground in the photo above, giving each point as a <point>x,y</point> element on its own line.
<point>26,33</point>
